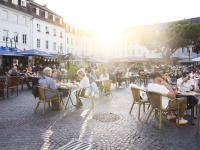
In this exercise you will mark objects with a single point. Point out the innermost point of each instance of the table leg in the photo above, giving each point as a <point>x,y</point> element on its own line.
<point>69,98</point>
<point>22,84</point>
<point>192,109</point>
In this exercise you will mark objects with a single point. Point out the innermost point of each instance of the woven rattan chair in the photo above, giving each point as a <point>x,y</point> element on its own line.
<point>198,121</point>
<point>85,96</point>
<point>107,86</point>
<point>42,98</point>
<point>156,104</point>
<point>137,100</point>
<point>12,84</point>
<point>173,79</point>
<point>2,85</point>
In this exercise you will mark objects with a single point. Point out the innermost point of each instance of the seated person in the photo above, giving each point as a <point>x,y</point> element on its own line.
<point>112,76</point>
<point>119,77</point>
<point>104,76</point>
<point>93,77</point>
<point>84,83</point>
<point>54,75</point>
<point>177,74</point>
<point>185,84</point>
<point>27,75</point>
<point>166,78</point>
<point>47,82</point>
<point>192,74</point>
<point>162,87</point>
<point>130,75</point>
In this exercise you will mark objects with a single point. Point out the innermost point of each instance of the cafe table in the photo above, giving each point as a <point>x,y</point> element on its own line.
<point>35,80</point>
<point>69,88</point>
<point>192,94</point>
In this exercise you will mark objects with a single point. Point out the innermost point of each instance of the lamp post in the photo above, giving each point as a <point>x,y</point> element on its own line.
<point>11,39</point>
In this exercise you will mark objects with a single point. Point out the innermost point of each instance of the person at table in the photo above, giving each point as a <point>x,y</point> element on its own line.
<point>166,77</point>
<point>192,74</point>
<point>14,72</point>
<point>119,78</point>
<point>112,76</point>
<point>162,87</point>
<point>104,76</point>
<point>184,84</point>
<point>27,75</point>
<point>177,74</point>
<point>93,76</point>
<point>130,75</point>
<point>47,82</point>
<point>54,75</point>
<point>84,83</point>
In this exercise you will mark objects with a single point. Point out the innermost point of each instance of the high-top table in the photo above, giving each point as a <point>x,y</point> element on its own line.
<point>191,94</point>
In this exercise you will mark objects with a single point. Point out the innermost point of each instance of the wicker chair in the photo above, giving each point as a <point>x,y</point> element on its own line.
<point>173,79</point>
<point>137,100</point>
<point>42,98</point>
<point>156,104</point>
<point>107,86</point>
<point>2,85</point>
<point>198,120</point>
<point>85,96</point>
<point>13,83</point>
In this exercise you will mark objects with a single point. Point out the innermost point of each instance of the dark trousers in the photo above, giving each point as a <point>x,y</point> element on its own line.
<point>55,105</point>
<point>119,79</point>
<point>195,101</point>
<point>132,79</point>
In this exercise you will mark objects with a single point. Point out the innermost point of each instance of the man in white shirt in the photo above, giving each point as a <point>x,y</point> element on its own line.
<point>184,84</point>
<point>162,87</point>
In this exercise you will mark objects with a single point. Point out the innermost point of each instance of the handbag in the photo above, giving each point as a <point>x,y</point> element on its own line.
<point>81,93</point>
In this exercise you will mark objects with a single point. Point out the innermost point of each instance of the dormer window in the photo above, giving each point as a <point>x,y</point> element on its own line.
<point>76,31</point>
<point>67,26</point>
<point>46,14</point>
<point>71,29</point>
<point>15,2</point>
<point>38,27</point>
<point>23,3</point>
<point>54,18</point>
<point>60,20</point>
<point>61,34</point>
<point>37,11</point>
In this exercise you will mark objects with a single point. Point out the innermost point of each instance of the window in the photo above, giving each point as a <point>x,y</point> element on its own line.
<point>183,49</point>
<point>67,40</point>
<point>133,51</point>
<point>76,41</point>
<point>128,52</point>
<point>16,37</point>
<point>71,41</point>
<point>15,2</point>
<point>60,20</point>
<point>47,30</point>
<point>139,43</point>
<point>61,34</point>
<point>67,26</point>
<point>79,42</point>
<point>15,18</point>
<point>54,46</point>
<point>133,43</point>
<point>24,38</point>
<point>23,3</point>
<point>54,18</point>
<point>38,27</point>
<point>5,15</point>
<point>54,32</point>
<point>71,29</point>
<point>38,43</point>
<point>24,20</point>
<point>139,51</point>
<point>61,47</point>
<point>72,50</point>
<point>47,44</point>
<point>46,15</point>
<point>37,11</point>
<point>5,35</point>
<point>128,44</point>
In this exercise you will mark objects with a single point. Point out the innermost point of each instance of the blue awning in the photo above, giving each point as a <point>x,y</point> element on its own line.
<point>34,52</point>
<point>7,53</point>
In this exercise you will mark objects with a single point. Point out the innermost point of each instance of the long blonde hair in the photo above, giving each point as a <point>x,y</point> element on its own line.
<point>177,72</point>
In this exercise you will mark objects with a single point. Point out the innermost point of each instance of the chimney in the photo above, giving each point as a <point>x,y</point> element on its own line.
<point>45,5</point>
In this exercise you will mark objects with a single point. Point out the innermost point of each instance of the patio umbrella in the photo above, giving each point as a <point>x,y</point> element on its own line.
<point>126,59</point>
<point>34,52</point>
<point>7,53</point>
<point>196,59</point>
<point>69,56</point>
<point>137,59</point>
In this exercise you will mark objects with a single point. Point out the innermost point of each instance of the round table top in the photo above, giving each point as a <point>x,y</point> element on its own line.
<point>99,80</point>
<point>190,93</point>
<point>66,87</point>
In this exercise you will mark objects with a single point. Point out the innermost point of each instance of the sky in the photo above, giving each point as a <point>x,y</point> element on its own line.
<point>114,14</point>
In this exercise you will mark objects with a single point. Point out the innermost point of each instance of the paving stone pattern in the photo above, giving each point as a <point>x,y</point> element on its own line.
<point>22,129</point>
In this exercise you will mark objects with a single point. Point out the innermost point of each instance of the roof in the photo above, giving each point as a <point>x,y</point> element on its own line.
<point>9,3</point>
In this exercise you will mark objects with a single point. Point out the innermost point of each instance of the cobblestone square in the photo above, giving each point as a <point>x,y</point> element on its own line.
<point>22,129</point>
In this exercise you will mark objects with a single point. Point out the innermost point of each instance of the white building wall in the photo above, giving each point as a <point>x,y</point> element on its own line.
<point>47,37</point>
<point>12,27</point>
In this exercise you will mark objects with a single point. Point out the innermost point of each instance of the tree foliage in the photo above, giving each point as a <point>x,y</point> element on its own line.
<point>167,40</point>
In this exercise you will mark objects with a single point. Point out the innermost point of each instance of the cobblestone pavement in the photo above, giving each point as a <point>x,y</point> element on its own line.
<point>21,128</point>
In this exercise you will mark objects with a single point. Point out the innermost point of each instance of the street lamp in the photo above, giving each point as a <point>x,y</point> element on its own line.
<point>61,49</point>
<point>11,39</point>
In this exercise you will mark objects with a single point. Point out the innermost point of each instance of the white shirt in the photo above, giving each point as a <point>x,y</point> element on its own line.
<point>160,89</point>
<point>84,82</point>
<point>186,86</point>
<point>191,75</point>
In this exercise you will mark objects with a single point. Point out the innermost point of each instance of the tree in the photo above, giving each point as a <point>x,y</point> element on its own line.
<point>167,40</point>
